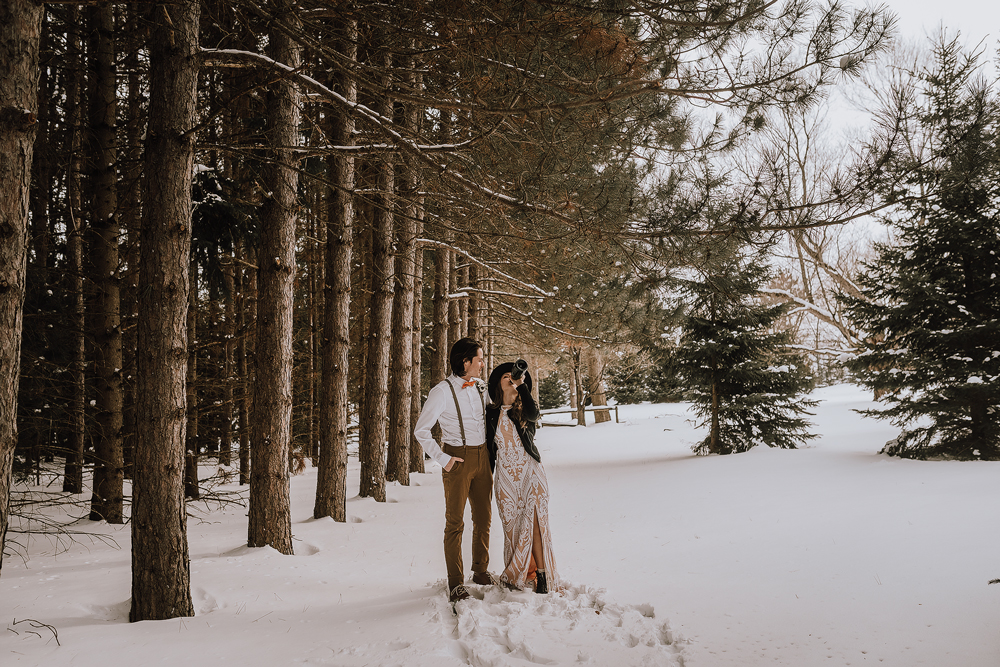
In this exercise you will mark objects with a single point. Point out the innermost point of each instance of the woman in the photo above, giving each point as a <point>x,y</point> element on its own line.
<point>521,488</point>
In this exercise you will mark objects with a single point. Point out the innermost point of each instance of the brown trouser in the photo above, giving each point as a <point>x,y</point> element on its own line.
<point>469,480</point>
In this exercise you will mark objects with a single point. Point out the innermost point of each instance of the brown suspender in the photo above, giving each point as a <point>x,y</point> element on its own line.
<point>458,409</point>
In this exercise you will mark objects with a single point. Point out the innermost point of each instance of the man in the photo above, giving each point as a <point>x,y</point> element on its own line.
<point>458,404</point>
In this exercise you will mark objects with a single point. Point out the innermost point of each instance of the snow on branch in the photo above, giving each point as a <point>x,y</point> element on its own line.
<point>818,311</point>
<point>216,56</point>
<point>806,305</point>
<point>512,295</point>
<point>440,244</point>
<point>821,350</point>
<point>536,321</point>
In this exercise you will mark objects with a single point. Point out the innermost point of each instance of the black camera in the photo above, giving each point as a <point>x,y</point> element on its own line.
<point>520,366</point>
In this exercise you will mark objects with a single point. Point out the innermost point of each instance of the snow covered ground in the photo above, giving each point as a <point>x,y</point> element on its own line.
<point>829,555</point>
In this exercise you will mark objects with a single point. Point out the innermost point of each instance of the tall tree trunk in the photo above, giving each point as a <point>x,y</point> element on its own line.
<point>372,443</point>
<point>106,502</point>
<point>597,391</point>
<point>131,176</point>
<point>331,479</point>
<point>40,255</point>
<point>270,521</point>
<point>416,397</point>
<point>229,359</point>
<point>401,396</point>
<point>401,390</point>
<point>20,31</point>
<point>415,210</point>
<point>161,568</point>
<point>473,321</point>
<point>454,305</point>
<point>318,229</point>
<point>191,441</point>
<point>462,280</point>
<point>331,486</point>
<point>439,328</point>
<point>248,323</point>
<point>73,480</point>
<point>581,403</point>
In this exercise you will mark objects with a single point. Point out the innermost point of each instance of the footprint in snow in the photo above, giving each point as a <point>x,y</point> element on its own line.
<point>501,628</point>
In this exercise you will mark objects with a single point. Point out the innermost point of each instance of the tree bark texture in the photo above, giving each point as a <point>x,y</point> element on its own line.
<point>229,352</point>
<point>454,305</point>
<point>248,314</point>
<point>401,395</point>
<point>191,437</point>
<point>270,443</point>
<point>20,32</point>
<point>416,392</point>
<point>130,221</point>
<point>415,211</point>
<point>581,401</point>
<point>109,465</point>
<point>372,443</point>
<point>73,481</point>
<point>597,391</point>
<point>161,568</point>
<point>439,327</point>
<point>473,307</point>
<point>331,479</point>
<point>401,377</point>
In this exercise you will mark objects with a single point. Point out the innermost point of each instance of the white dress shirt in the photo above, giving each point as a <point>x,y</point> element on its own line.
<point>440,408</point>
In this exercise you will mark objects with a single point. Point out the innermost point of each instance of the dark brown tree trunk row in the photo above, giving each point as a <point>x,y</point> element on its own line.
<point>73,481</point>
<point>439,318</point>
<point>401,391</point>
<point>374,412</point>
<point>229,351</point>
<point>331,479</point>
<point>104,241</point>
<point>248,320</point>
<point>270,441</point>
<point>161,575</point>
<point>20,32</point>
<point>131,177</point>
<point>191,439</point>
<point>416,342</point>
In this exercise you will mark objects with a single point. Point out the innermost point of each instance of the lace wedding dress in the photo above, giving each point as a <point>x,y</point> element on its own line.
<point>522,491</point>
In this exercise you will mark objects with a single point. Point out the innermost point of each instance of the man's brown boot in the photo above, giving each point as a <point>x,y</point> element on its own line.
<point>485,579</point>
<point>458,593</point>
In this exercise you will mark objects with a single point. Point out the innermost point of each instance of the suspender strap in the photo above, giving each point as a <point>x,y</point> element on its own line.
<point>458,408</point>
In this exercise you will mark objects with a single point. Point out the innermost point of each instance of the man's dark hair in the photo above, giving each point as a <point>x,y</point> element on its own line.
<point>463,350</point>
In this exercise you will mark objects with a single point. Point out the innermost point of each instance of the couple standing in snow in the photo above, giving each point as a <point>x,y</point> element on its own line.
<point>485,430</point>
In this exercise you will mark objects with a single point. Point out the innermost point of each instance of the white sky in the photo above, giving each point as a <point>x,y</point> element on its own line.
<point>975,19</point>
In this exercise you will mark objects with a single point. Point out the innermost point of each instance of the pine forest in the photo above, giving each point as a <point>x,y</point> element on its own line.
<point>240,236</point>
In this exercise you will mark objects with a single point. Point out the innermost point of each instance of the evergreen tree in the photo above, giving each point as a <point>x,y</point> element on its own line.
<point>746,383</point>
<point>552,392</point>
<point>628,381</point>
<point>931,298</point>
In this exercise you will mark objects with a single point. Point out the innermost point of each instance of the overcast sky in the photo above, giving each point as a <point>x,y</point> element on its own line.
<point>975,19</point>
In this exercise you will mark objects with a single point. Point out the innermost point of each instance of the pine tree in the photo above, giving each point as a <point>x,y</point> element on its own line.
<point>552,392</point>
<point>627,381</point>
<point>931,298</point>
<point>746,383</point>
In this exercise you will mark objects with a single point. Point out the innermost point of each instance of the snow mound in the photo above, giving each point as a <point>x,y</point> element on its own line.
<point>500,628</point>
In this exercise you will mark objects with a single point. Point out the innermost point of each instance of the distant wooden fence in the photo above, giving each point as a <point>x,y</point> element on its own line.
<point>563,411</point>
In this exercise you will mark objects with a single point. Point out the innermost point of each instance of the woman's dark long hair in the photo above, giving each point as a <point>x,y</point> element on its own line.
<point>515,409</point>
